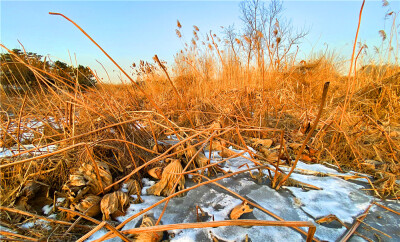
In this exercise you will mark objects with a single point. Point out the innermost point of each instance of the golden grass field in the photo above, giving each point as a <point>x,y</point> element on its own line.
<point>293,110</point>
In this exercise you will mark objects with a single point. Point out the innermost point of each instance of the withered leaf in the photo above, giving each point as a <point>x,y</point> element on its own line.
<point>90,205</point>
<point>114,204</point>
<point>239,210</point>
<point>156,172</point>
<point>165,186</point>
<point>150,236</point>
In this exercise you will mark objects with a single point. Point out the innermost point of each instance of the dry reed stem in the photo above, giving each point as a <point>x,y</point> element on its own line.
<point>384,207</point>
<point>2,232</point>
<point>107,225</point>
<point>175,90</point>
<point>213,224</point>
<point>91,232</point>
<point>324,95</point>
<point>96,168</point>
<point>19,121</point>
<point>41,156</point>
<point>377,230</point>
<point>13,210</point>
<point>122,70</point>
<point>349,85</point>
<point>357,223</point>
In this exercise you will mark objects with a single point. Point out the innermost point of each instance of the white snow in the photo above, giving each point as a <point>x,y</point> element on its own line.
<point>47,209</point>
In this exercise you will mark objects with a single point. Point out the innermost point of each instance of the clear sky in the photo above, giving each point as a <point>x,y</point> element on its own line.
<point>133,30</point>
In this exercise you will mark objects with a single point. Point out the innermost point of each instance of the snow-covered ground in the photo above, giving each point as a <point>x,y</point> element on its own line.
<point>28,128</point>
<point>339,197</point>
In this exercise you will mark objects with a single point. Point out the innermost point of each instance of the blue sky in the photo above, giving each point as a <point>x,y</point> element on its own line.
<point>133,30</point>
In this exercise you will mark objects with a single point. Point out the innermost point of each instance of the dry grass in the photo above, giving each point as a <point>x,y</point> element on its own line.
<point>216,98</point>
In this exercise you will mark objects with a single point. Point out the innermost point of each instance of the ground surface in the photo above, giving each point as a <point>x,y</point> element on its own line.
<point>345,199</point>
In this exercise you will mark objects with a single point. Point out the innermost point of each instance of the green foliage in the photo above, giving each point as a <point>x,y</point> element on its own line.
<point>18,72</point>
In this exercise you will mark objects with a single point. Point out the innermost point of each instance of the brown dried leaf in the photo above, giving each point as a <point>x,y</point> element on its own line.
<point>90,205</point>
<point>156,172</point>
<point>133,187</point>
<point>216,145</point>
<point>190,152</point>
<point>254,142</point>
<point>225,153</point>
<point>239,210</point>
<point>295,146</point>
<point>89,173</point>
<point>114,204</point>
<point>328,219</point>
<point>165,186</point>
<point>201,160</point>
<point>150,236</point>
<point>76,180</point>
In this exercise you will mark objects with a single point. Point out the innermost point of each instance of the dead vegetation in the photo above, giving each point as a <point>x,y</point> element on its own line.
<point>90,144</point>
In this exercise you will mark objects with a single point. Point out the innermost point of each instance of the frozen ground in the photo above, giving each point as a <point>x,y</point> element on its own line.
<point>28,128</point>
<point>345,199</point>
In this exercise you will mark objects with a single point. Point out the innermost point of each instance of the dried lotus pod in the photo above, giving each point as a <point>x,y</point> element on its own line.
<point>90,205</point>
<point>239,210</point>
<point>156,172</point>
<point>114,204</point>
<point>169,177</point>
<point>150,236</point>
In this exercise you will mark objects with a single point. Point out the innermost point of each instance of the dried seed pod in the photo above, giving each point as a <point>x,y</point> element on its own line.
<point>169,177</point>
<point>150,236</point>
<point>114,204</point>
<point>156,172</point>
<point>90,205</point>
<point>239,210</point>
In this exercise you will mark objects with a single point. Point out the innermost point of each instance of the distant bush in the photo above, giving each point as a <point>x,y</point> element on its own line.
<point>18,72</point>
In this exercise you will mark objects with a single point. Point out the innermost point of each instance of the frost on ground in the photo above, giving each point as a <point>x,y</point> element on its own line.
<point>339,197</point>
